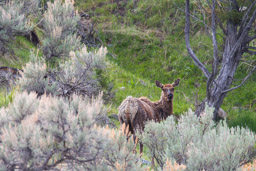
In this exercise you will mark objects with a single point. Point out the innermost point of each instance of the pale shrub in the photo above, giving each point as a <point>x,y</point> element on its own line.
<point>13,22</point>
<point>199,143</point>
<point>60,21</point>
<point>54,133</point>
<point>76,75</point>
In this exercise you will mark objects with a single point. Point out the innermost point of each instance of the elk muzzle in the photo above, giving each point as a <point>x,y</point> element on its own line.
<point>170,96</point>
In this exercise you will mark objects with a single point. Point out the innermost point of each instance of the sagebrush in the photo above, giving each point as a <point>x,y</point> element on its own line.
<point>199,143</point>
<point>13,22</point>
<point>52,133</point>
<point>60,27</point>
<point>76,75</point>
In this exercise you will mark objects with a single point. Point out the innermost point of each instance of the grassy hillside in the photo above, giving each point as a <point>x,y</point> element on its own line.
<point>145,40</point>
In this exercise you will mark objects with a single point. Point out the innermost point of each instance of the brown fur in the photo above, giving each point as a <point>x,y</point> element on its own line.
<point>11,70</point>
<point>134,112</point>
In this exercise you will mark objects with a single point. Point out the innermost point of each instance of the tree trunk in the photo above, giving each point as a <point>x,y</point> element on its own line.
<point>224,79</point>
<point>236,40</point>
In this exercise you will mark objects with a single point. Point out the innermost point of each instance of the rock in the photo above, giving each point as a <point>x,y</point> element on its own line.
<point>222,114</point>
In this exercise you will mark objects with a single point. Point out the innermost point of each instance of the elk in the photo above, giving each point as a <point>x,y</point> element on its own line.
<point>134,112</point>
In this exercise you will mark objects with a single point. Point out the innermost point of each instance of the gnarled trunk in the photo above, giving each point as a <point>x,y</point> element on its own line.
<point>237,38</point>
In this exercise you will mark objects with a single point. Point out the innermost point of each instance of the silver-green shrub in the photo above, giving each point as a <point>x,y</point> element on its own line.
<point>60,22</point>
<point>76,75</point>
<point>28,6</point>
<point>12,22</point>
<point>34,77</point>
<point>52,133</point>
<point>199,143</point>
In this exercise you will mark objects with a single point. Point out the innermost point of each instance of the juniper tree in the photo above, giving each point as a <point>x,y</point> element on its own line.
<point>199,143</point>
<point>54,133</point>
<point>60,22</point>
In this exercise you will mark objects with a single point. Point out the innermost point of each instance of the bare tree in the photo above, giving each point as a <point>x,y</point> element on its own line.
<point>237,33</point>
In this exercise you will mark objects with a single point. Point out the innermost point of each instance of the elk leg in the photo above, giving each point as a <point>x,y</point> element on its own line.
<point>141,149</point>
<point>135,140</point>
<point>152,162</point>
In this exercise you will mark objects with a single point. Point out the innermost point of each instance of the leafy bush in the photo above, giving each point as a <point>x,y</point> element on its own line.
<point>199,143</point>
<point>12,22</point>
<point>60,21</point>
<point>53,133</point>
<point>76,75</point>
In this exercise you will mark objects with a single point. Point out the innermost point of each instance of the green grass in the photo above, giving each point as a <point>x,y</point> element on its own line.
<point>4,100</point>
<point>243,118</point>
<point>18,57</point>
<point>146,42</point>
<point>129,84</point>
<point>6,97</point>
<point>20,49</point>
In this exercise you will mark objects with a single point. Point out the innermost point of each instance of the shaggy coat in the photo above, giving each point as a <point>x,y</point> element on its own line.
<point>134,112</point>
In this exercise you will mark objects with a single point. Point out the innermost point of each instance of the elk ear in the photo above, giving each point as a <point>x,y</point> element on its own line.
<point>158,84</point>
<point>176,82</point>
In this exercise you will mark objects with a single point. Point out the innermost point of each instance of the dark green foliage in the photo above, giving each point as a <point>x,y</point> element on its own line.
<point>243,117</point>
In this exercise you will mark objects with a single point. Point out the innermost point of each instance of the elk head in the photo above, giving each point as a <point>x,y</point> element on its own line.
<point>167,89</point>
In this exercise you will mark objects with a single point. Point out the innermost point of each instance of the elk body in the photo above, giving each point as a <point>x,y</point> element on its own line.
<point>134,112</point>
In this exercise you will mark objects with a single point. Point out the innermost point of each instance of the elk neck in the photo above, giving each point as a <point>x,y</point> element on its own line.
<point>164,108</point>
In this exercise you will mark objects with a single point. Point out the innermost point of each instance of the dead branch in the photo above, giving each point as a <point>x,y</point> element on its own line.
<point>242,83</point>
<point>190,51</point>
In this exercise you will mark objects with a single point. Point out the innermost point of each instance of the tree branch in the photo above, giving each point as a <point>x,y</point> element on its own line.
<point>250,39</point>
<point>242,83</point>
<point>190,51</point>
<point>218,20</point>
<point>221,26</point>
<point>247,50</point>
<point>250,47</point>
<point>214,40</point>
<point>251,52</point>
<point>215,49</point>
<point>243,35</point>
<point>245,18</point>
<point>194,17</point>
